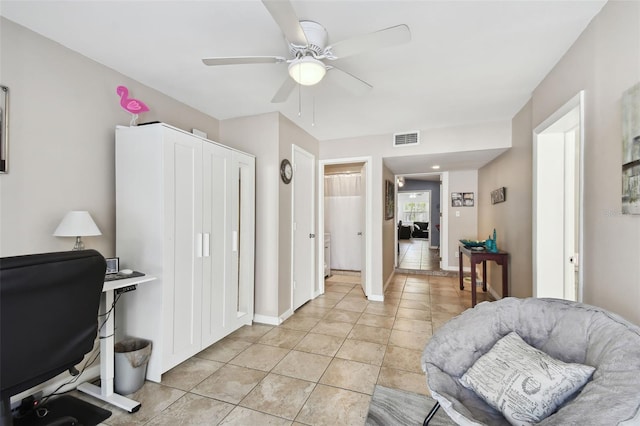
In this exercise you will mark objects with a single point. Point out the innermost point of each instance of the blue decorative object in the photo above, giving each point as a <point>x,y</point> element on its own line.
<point>491,245</point>
<point>473,243</point>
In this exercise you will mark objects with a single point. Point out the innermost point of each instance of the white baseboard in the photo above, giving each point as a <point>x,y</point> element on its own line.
<point>384,288</point>
<point>492,292</point>
<point>376,298</point>
<point>265,319</point>
<point>456,268</point>
<point>285,315</point>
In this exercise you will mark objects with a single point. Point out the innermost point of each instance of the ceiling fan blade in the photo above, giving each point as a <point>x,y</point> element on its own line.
<point>286,18</point>
<point>376,40</point>
<point>237,60</point>
<point>348,81</point>
<point>284,91</point>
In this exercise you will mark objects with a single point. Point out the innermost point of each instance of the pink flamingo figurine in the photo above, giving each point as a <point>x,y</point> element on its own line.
<point>133,106</point>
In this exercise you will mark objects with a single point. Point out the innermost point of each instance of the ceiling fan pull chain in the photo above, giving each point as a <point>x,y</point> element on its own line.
<point>313,115</point>
<point>299,100</point>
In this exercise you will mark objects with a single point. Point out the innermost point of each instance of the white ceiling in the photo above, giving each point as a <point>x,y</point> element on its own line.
<point>467,62</point>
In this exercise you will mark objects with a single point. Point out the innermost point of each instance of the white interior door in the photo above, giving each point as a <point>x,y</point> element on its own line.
<point>362,232</point>
<point>303,227</point>
<point>557,204</point>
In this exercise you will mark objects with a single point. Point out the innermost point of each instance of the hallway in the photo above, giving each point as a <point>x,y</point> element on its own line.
<point>416,254</point>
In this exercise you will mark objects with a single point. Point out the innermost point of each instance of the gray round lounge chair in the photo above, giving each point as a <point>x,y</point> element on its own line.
<point>568,331</point>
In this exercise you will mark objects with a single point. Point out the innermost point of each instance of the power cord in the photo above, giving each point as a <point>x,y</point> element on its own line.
<point>89,361</point>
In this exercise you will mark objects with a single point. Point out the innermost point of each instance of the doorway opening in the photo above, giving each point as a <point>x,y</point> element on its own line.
<point>557,203</point>
<point>418,215</point>
<point>345,221</point>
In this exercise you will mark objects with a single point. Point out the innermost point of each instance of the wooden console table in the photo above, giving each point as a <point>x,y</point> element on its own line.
<point>477,256</point>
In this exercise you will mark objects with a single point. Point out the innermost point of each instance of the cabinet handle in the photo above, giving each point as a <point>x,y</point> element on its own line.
<point>206,244</point>
<point>198,245</point>
<point>235,241</point>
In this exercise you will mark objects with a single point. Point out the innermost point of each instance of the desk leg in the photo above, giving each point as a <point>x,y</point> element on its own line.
<point>484,275</point>
<point>105,391</point>
<point>473,283</point>
<point>505,277</point>
<point>460,268</point>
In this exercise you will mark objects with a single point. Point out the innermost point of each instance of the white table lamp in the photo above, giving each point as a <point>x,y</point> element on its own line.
<point>77,224</point>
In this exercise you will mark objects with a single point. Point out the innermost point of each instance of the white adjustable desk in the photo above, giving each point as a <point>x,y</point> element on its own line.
<point>105,392</point>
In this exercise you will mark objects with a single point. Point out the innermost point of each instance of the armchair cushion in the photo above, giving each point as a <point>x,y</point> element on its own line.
<point>569,331</point>
<point>522,382</point>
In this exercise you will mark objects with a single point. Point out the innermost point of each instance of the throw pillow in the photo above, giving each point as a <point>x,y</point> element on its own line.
<point>523,383</point>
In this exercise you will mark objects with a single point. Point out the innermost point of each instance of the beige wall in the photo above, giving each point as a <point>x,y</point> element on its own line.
<point>604,62</point>
<point>462,222</point>
<point>511,219</point>
<point>63,112</point>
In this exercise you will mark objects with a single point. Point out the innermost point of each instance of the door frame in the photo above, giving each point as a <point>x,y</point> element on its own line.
<point>576,102</point>
<point>431,225</point>
<point>368,231</point>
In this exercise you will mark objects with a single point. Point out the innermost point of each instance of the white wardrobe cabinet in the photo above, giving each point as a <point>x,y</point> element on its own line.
<point>185,213</point>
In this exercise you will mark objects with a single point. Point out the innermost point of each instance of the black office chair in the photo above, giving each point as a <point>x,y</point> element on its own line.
<point>48,317</point>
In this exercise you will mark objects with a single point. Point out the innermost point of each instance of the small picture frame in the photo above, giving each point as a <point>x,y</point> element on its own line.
<point>499,195</point>
<point>456,199</point>
<point>113,265</point>
<point>467,199</point>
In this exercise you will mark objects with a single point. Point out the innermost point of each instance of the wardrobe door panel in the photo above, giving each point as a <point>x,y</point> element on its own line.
<point>242,225</point>
<point>216,173</point>
<point>184,201</point>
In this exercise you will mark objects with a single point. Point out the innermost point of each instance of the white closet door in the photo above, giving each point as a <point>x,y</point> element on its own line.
<point>183,227</point>
<point>217,169</point>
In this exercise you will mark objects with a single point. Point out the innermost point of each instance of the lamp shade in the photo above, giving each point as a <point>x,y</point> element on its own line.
<point>77,224</point>
<point>307,70</point>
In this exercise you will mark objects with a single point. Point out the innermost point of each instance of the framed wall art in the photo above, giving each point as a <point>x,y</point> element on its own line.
<point>4,129</point>
<point>499,195</point>
<point>389,200</point>
<point>456,199</point>
<point>468,199</point>
<point>462,199</point>
<point>631,150</point>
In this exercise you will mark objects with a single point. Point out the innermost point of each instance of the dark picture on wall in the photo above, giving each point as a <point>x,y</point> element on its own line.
<point>4,133</point>
<point>631,150</point>
<point>498,195</point>
<point>389,200</point>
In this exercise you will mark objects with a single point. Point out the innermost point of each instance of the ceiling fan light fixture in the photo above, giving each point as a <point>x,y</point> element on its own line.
<point>307,70</point>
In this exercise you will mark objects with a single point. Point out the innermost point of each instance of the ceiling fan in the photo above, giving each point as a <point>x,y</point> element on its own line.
<point>307,42</point>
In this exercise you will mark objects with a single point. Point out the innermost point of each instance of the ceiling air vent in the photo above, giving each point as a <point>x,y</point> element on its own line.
<point>406,139</point>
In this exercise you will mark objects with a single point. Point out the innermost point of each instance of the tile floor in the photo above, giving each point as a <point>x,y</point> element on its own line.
<point>317,368</point>
<point>417,254</point>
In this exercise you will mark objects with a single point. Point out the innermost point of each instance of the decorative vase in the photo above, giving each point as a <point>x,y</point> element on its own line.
<point>490,245</point>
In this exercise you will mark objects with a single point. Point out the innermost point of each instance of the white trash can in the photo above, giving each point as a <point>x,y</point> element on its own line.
<point>130,362</point>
